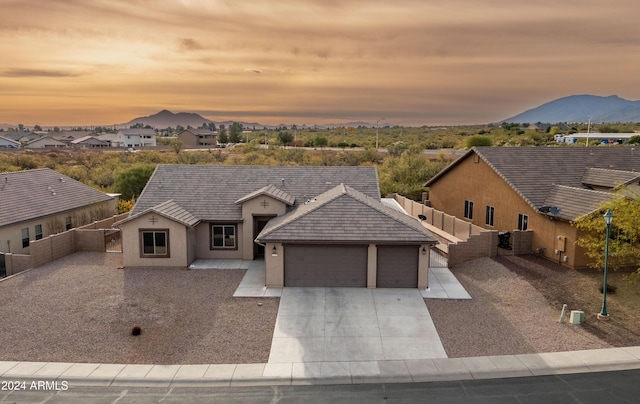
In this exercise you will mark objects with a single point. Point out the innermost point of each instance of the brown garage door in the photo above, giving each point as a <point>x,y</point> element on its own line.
<point>325,265</point>
<point>397,266</point>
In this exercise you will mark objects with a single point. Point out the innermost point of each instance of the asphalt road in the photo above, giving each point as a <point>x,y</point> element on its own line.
<point>584,388</point>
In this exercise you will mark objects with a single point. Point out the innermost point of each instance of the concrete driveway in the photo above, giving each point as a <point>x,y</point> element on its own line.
<point>351,324</point>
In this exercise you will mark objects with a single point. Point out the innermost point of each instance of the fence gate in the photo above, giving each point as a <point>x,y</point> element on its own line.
<point>438,259</point>
<point>3,266</point>
<point>113,240</point>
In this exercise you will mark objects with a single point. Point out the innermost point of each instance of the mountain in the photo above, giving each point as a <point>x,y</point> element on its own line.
<point>582,108</point>
<point>165,119</point>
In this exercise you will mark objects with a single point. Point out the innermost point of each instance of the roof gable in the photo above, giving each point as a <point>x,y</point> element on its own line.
<point>343,214</point>
<point>36,193</point>
<point>169,210</point>
<point>269,190</point>
<point>211,192</point>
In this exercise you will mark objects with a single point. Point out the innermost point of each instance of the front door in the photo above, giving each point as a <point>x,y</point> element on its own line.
<point>258,224</point>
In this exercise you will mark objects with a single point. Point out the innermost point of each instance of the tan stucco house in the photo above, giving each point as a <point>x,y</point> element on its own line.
<point>538,189</point>
<point>313,226</point>
<point>198,137</point>
<point>42,202</point>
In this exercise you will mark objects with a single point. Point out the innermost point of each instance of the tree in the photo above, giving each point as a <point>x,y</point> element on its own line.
<point>222,135</point>
<point>635,139</point>
<point>37,128</point>
<point>477,140</point>
<point>407,174</point>
<point>176,144</point>
<point>285,137</point>
<point>132,181</point>
<point>235,132</point>
<point>320,141</point>
<point>624,239</point>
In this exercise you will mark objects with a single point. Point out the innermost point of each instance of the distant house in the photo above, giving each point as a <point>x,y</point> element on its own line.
<point>6,143</point>
<point>138,137</point>
<point>538,189</point>
<point>604,138</point>
<point>198,137</point>
<point>21,136</point>
<point>45,142</point>
<point>89,142</point>
<point>313,226</point>
<point>38,203</point>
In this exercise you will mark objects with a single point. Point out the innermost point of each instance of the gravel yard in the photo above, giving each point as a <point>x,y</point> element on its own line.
<point>516,306</point>
<point>82,308</point>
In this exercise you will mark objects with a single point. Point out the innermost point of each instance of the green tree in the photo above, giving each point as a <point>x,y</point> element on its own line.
<point>407,174</point>
<point>176,144</point>
<point>133,180</point>
<point>222,135</point>
<point>624,239</point>
<point>285,137</point>
<point>478,140</point>
<point>635,139</point>
<point>320,141</point>
<point>235,132</point>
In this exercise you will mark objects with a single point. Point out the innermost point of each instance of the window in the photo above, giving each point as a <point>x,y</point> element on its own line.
<point>38,231</point>
<point>25,237</point>
<point>489,215</point>
<point>154,243</point>
<point>67,223</point>
<point>468,210</point>
<point>223,236</point>
<point>523,222</point>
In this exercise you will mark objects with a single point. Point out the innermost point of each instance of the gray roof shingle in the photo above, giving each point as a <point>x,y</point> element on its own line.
<point>574,202</point>
<point>272,191</point>
<point>343,214</point>
<point>210,192</point>
<point>37,193</point>
<point>604,177</point>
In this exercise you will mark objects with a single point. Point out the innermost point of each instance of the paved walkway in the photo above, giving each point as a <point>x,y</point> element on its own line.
<point>353,324</point>
<point>353,372</point>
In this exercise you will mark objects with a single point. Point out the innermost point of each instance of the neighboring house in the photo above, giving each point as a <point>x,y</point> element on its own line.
<point>6,143</point>
<point>67,137</point>
<point>198,137</point>
<point>21,136</point>
<point>45,142</point>
<point>38,203</point>
<point>314,226</point>
<point>540,189</point>
<point>89,142</point>
<point>138,137</point>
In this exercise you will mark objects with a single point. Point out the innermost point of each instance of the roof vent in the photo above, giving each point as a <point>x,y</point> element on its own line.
<point>310,201</point>
<point>282,181</point>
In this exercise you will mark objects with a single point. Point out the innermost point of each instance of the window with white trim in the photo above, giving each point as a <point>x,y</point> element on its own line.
<point>523,222</point>
<point>223,236</point>
<point>489,215</point>
<point>468,210</point>
<point>154,243</point>
<point>38,231</point>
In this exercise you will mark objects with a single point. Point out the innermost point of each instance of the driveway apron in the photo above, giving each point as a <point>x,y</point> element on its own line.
<point>351,324</point>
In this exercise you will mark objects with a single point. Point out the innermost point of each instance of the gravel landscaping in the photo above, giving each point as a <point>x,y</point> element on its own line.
<point>82,309</point>
<point>516,309</point>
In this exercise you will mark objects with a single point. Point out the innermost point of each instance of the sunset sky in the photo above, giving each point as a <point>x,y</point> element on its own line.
<point>413,62</point>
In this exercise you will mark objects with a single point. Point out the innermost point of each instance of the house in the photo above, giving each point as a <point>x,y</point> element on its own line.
<point>198,137</point>
<point>137,137</point>
<point>88,142</point>
<point>67,137</point>
<point>45,142</point>
<point>313,226</point>
<point>41,202</point>
<point>538,189</point>
<point>6,143</point>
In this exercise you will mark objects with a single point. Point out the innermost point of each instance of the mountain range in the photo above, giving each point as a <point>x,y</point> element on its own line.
<point>582,108</point>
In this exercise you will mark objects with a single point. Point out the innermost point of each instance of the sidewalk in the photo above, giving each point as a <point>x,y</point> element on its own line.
<point>425,370</point>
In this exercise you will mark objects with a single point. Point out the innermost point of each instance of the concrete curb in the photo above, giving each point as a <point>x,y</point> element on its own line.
<point>259,374</point>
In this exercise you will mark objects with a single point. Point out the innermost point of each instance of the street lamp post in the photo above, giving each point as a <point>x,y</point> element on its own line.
<point>377,126</point>
<point>603,315</point>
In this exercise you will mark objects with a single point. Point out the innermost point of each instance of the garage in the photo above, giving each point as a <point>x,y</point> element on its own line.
<point>397,266</point>
<point>325,265</point>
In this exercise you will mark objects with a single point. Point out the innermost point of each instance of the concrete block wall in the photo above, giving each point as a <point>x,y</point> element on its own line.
<point>521,242</point>
<point>90,240</point>
<point>477,246</point>
<point>16,263</point>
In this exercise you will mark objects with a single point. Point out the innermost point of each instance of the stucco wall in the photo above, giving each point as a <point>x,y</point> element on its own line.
<point>274,266</point>
<point>258,206</point>
<point>131,242</point>
<point>203,244</point>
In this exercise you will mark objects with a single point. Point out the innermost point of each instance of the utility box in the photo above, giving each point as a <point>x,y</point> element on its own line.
<point>577,317</point>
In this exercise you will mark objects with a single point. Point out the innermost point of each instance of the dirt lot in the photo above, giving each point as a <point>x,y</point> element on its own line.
<point>516,309</point>
<point>82,308</point>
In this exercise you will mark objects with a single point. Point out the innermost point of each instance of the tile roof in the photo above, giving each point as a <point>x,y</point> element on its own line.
<point>37,193</point>
<point>170,210</point>
<point>343,214</point>
<point>140,131</point>
<point>532,172</point>
<point>269,190</point>
<point>604,177</point>
<point>210,192</point>
<point>574,202</point>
